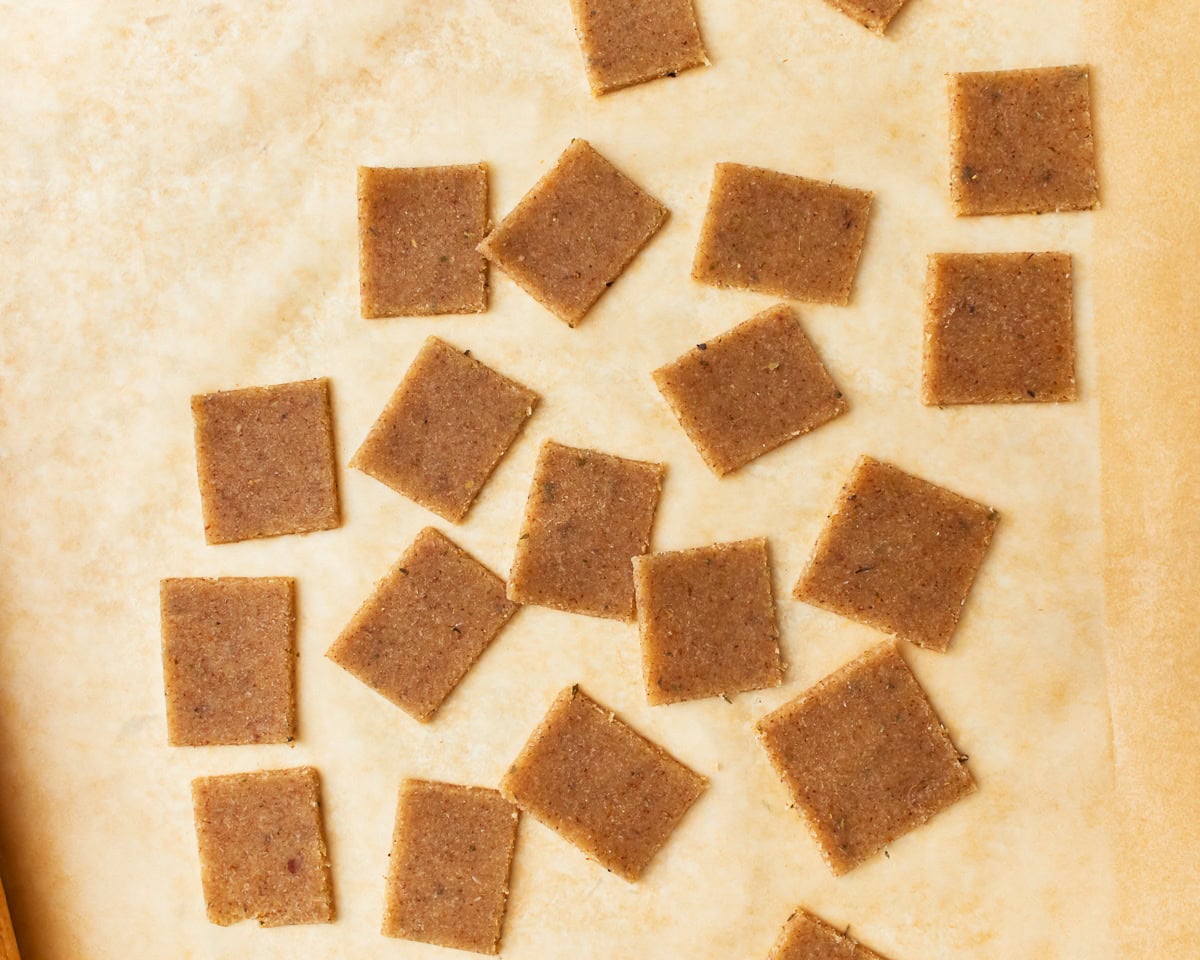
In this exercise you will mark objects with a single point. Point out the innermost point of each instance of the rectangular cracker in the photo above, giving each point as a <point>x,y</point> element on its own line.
<point>898,553</point>
<point>601,785</point>
<point>229,654</point>
<point>265,461</point>
<point>418,228</point>
<point>707,621</point>
<point>262,847</point>
<point>588,514</point>
<point>864,757</point>
<point>424,626</point>
<point>631,41</point>
<point>448,874</point>
<point>749,390</point>
<point>444,429</point>
<point>875,15</point>
<point>780,234</point>
<point>574,232</point>
<point>806,936</point>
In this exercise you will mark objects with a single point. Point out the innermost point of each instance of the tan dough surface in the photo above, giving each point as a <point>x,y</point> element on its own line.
<point>179,195</point>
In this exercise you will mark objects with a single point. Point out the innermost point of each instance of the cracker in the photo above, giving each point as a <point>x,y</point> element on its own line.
<point>898,554</point>
<point>707,621</point>
<point>229,654</point>
<point>264,459</point>
<point>873,14</point>
<point>749,390</point>
<point>424,626</point>
<point>781,234</point>
<point>630,41</point>
<point>588,514</point>
<point>444,429</point>
<point>808,937</point>
<point>262,847</point>
<point>418,228</point>
<point>998,328</point>
<point>601,785</point>
<point>448,876</point>
<point>864,757</point>
<point>1021,142</point>
<point>574,233</point>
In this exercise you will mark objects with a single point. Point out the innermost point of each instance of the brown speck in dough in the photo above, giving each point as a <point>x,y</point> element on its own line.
<point>898,553</point>
<point>806,936</point>
<point>630,41</point>
<point>864,757</point>
<point>1021,142</point>
<point>601,785</point>
<point>998,328</point>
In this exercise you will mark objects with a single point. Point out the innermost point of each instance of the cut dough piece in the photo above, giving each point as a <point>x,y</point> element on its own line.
<point>418,228</point>
<point>899,554</point>
<point>864,757</point>
<point>601,785</point>
<point>707,621</point>
<point>264,458</point>
<point>262,847</point>
<point>873,14</point>
<point>228,660</point>
<point>444,430</point>
<point>808,937</point>
<point>745,392</point>
<point>573,234</point>
<point>588,514</point>
<point>998,328</point>
<point>425,625</point>
<point>631,41</point>
<point>781,234</point>
<point>451,854</point>
<point>1021,142</point>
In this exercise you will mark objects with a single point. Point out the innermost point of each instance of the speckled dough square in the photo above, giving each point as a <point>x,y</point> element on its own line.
<point>444,430</point>
<point>448,875</point>
<point>873,14</point>
<point>998,328</point>
<point>588,514</point>
<point>781,234</point>
<point>228,660</point>
<point>749,390</point>
<point>808,937</point>
<point>631,41</point>
<point>601,785</point>
<point>899,554</point>
<point>262,847</point>
<point>425,625</point>
<point>418,229</point>
<point>864,757</point>
<point>264,458</point>
<point>574,233</point>
<point>707,621</point>
<point>1021,142</point>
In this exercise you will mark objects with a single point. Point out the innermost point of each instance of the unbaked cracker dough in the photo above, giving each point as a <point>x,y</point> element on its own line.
<point>213,243</point>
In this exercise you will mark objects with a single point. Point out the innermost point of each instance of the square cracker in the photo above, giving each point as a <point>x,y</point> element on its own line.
<point>262,847</point>
<point>630,41</point>
<point>418,228</point>
<point>229,655</point>
<point>749,390</point>
<point>875,15</point>
<point>781,234</point>
<point>1021,142</point>
<point>998,328</point>
<point>864,757</point>
<point>444,430</point>
<point>601,785</point>
<point>425,625</point>
<point>574,233</point>
<point>899,554</point>
<point>264,459</point>
<point>808,937</point>
<point>707,621</point>
<point>448,873</point>
<point>588,514</point>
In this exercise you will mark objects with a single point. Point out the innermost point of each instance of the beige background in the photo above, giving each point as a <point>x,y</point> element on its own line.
<point>178,184</point>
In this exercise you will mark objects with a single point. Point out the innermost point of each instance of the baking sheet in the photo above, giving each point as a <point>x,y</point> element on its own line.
<point>181,218</point>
